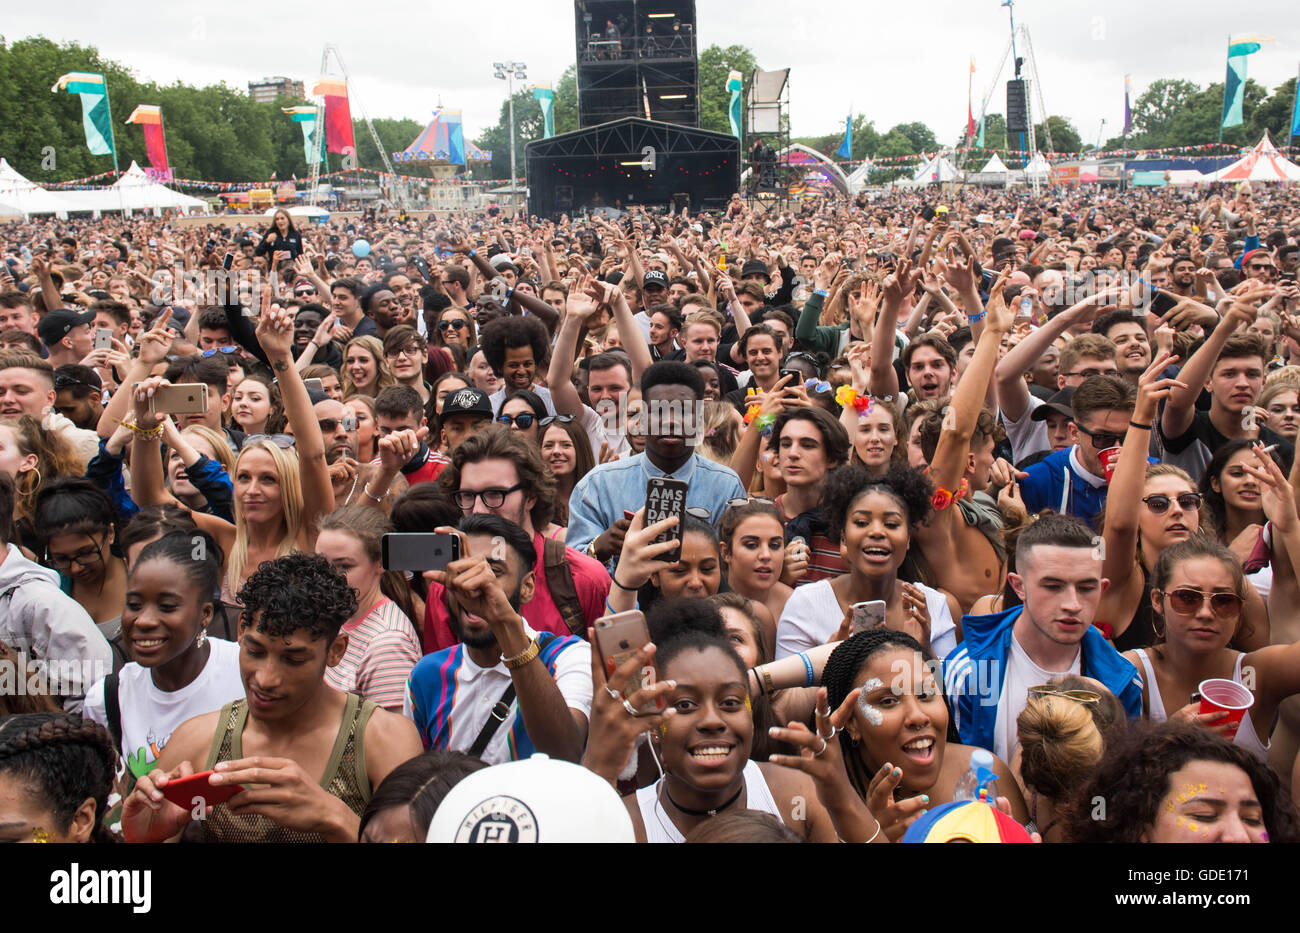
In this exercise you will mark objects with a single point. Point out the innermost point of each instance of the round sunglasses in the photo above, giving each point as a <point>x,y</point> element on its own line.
<point>1187,501</point>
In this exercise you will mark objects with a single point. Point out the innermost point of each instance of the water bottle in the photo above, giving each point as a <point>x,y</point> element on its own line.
<point>979,777</point>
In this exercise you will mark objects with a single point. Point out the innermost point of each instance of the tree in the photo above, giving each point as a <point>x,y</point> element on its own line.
<point>529,124</point>
<point>1274,114</point>
<point>920,135</point>
<point>1065,138</point>
<point>1198,120</point>
<point>1155,109</point>
<point>715,100</point>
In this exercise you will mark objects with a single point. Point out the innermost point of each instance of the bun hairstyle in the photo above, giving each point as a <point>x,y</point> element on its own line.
<point>1060,744</point>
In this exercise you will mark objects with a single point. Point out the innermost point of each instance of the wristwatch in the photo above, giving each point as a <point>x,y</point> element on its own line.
<point>527,656</point>
<point>591,550</point>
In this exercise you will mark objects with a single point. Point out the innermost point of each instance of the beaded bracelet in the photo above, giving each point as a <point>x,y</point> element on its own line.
<point>150,434</point>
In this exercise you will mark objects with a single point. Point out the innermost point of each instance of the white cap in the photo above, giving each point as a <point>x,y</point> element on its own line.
<point>537,800</point>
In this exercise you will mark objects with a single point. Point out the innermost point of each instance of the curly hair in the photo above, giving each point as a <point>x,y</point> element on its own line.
<point>497,442</point>
<point>845,485</point>
<point>511,333</point>
<point>1133,777</point>
<point>54,457</point>
<point>678,625</point>
<point>297,591</point>
<point>63,760</point>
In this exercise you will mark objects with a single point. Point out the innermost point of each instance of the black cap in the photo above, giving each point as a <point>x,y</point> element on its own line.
<point>1060,403</point>
<point>55,325</point>
<point>755,267</point>
<point>467,401</point>
<point>655,278</point>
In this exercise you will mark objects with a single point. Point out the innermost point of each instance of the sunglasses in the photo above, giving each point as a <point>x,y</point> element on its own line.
<point>553,419</point>
<point>215,350</point>
<point>702,514</point>
<point>330,425</point>
<point>745,500</point>
<point>283,441</point>
<point>1187,501</point>
<point>445,326</point>
<point>1269,269</point>
<point>522,421</point>
<point>1101,440</point>
<point>1187,601</point>
<point>303,292</point>
<point>1078,696</point>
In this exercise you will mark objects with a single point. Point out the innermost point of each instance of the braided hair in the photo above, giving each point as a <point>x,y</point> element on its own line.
<point>63,759</point>
<point>843,667</point>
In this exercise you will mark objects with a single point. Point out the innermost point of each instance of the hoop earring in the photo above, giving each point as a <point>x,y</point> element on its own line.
<point>1157,617</point>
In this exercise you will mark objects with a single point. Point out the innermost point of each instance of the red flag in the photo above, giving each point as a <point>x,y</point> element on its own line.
<point>970,113</point>
<point>338,116</point>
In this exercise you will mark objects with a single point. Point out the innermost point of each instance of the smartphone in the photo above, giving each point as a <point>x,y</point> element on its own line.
<point>103,338</point>
<point>665,497</point>
<point>183,791</point>
<point>796,377</point>
<point>1162,303</point>
<point>228,261</point>
<point>927,213</point>
<point>618,637</point>
<point>418,551</point>
<point>316,384</point>
<point>187,398</point>
<point>867,616</point>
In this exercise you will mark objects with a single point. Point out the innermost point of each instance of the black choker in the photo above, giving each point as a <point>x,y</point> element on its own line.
<point>714,812</point>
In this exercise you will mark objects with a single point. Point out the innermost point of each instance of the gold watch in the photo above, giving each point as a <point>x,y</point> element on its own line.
<point>527,656</point>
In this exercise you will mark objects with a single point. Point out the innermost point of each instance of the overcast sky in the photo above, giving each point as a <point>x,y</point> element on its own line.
<point>891,62</point>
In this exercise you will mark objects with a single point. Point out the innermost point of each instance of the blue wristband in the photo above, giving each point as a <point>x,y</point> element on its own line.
<point>972,318</point>
<point>808,669</point>
<point>821,291</point>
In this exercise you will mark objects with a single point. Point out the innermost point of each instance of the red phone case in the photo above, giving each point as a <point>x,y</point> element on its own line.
<point>182,791</point>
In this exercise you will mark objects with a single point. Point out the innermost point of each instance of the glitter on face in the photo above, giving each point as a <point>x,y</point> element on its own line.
<point>870,713</point>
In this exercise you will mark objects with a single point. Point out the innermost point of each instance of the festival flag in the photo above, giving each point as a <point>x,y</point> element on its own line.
<point>734,83</point>
<point>1234,85</point>
<point>1295,115</point>
<point>846,148</point>
<point>970,110</point>
<point>338,116</point>
<point>545,98</point>
<point>449,124</point>
<point>1128,110</point>
<point>306,117</point>
<point>149,117</point>
<point>980,142</point>
<point>95,117</point>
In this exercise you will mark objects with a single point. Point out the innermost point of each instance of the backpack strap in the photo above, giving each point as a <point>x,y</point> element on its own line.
<point>113,708</point>
<point>496,717</point>
<point>559,579</point>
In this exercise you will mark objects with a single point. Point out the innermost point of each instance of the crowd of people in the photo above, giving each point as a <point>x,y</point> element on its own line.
<point>986,486</point>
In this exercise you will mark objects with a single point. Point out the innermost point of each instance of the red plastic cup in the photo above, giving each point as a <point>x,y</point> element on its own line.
<point>1108,458</point>
<point>1226,696</point>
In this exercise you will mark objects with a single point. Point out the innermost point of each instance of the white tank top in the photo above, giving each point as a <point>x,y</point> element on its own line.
<point>659,828</point>
<point>1247,738</point>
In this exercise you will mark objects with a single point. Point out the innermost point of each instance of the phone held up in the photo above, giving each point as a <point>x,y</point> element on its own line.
<point>618,637</point>
<point>186,398</point>
<point>418,551</point>
<point>663,498</point>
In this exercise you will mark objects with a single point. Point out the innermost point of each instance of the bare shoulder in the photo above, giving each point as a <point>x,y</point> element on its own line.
<point>391,739</point>
<point>190,742</point>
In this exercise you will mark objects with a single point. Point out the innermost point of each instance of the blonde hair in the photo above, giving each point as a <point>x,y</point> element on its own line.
<point>291,505</point>
<point>221,451</point>
<point>1060,745</point>
<point>384,377</point>
<point>54,457</point>
<point>721,432</point>
<point>1287,375</point>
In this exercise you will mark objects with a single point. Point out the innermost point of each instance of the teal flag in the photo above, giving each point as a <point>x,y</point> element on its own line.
<point>1234,84</point>
<point>546,100</point>
<point>305,117</point>
<point>734,84</point>
<point>95,118</point>
<point>846,147</point>
<point>979,143</point>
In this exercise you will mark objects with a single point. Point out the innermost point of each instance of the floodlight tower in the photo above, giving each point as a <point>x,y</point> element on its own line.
<point>509,72</point>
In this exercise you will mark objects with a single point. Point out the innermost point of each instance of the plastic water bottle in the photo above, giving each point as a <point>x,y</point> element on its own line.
<point>979,777</point>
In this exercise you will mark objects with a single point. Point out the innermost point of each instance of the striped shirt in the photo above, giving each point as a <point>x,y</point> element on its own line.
<point>449,697</point>
<point>382,649</point>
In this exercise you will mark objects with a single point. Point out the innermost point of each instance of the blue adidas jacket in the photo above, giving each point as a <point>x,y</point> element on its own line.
<point>1051,484</point>
<point>973,673</point>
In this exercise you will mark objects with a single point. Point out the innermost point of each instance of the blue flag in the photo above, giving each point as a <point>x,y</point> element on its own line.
<point>846,148</point>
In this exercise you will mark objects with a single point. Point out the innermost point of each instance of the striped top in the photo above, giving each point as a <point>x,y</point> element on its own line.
<point>382,649</point>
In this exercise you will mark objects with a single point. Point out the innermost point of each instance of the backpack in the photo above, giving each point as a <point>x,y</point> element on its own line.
<point>559,579</point>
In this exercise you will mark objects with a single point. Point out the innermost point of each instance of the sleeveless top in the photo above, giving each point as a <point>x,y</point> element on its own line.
<point>345,775</point>
<point>1246,736</point>
<point>659,828</point>
<point>1141,631</point>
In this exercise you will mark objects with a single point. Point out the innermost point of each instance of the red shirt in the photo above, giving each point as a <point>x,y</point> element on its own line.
<point>589,578</point>
<point>428,471</point>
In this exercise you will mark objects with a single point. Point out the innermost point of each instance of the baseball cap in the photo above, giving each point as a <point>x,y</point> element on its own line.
<point>755,267</point>
<point>655,278</point>
<point>1060,403</point>
<point>467,401</point>
<point>535,800</point>
<point>55,325</point>
<point>501,262</point>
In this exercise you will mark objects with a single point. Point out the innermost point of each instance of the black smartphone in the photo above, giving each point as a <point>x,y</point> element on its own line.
<point>927,213</point>
<point>663,498</point>
<point>418,551</point>
<point>228,261</point>
<point>1163,303</point>
<point>796,377</point>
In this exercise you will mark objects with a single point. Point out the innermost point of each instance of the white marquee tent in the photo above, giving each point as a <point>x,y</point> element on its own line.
<point>134,191</point>
<point>935,171</point>
<point>26,197</point>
